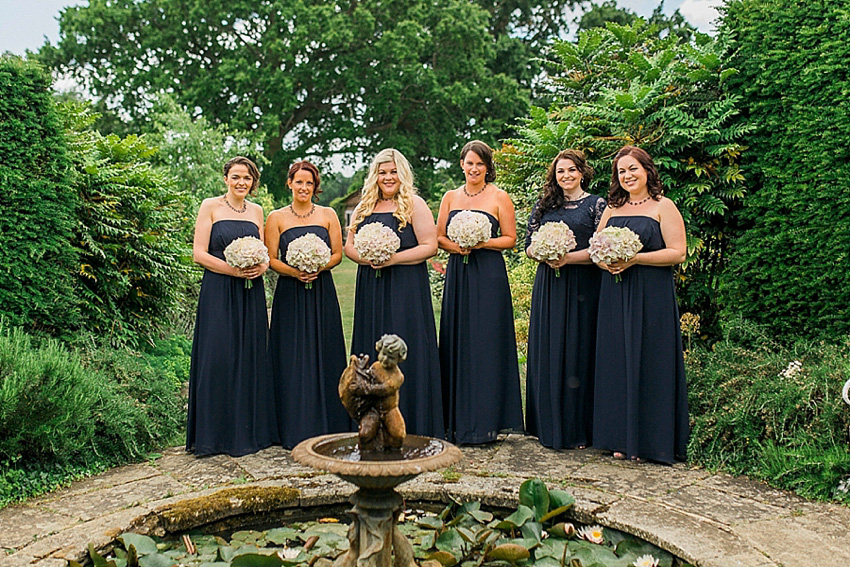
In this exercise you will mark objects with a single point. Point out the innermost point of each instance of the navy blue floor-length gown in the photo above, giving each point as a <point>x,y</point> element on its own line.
<point>230,393</point>
<point>478,359</point>
<point>562,335</point>
<point>399,302</point>
<point>307,351</point>
<point>641,401</point>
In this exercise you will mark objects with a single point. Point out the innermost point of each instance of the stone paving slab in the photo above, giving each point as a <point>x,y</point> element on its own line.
<point>90,505</point>
<point>723,507</point>
<point>711,520</point>
<point>203,472</point>
<point>811,539</point>
<point>643,480</point>
<point>686,535</point>
<point>22,524</point>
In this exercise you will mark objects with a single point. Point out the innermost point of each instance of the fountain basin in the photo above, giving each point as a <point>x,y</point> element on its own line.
<point>338,453</point>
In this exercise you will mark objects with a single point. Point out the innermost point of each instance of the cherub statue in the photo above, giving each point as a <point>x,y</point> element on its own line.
<point>370,395</point>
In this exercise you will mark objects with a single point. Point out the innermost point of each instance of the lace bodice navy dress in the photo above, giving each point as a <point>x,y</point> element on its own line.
<point>230,393</point>
<point>307,351</point>
<point>399,302</point>
<point>641,401</point>
<point>478,359</point>
<point>562,334</point>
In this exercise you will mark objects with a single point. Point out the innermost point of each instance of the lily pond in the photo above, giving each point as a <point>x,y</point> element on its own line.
<point>464,534</point>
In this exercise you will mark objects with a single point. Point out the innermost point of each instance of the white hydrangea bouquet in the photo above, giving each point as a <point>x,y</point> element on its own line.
<point>551,241</point>
<point>614,243</point>
<point>246,252</point>
<point>468,228</point>
<point>376,243</point>
<point>308,253</point>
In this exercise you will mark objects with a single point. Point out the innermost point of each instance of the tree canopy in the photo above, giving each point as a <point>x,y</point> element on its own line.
<point>316,77</point>
<point>622,85</point>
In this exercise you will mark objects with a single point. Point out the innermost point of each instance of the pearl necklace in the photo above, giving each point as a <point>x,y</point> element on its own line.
<point>232,208</point>
<point>305,215</point>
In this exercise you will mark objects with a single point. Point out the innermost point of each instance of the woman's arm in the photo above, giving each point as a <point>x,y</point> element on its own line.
<point>426,237</point>
<point>200,243</point>
<point>443,241</point>
<point>335,232</point>
<point>507,224</point>
<point>673,232</point>
<point>274,228</point>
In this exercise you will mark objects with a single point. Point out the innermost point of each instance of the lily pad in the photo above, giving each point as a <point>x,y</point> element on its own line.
<point>155,560</point>
<point>522,515</point>
<point>256,560</point>
<point>432,522</point>
<point>143,544</point>
<point>534,494</point>
<point>450,540</point>
<point>510,552</point>
<point>445,558</point>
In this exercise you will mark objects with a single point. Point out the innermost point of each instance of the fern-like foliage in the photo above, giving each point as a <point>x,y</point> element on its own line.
<point>131,255</point>
<point>624,85</point>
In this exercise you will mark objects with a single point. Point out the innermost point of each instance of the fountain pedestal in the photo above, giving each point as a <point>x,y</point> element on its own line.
<point>374,538</point>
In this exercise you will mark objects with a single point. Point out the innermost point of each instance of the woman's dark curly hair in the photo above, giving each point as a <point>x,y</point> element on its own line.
<point>617,196</point>
<point>552,196</point>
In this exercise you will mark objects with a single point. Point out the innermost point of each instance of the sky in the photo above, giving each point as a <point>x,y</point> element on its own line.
<point>24,24</point>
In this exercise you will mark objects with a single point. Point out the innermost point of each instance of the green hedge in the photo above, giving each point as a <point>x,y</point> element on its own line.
<point>756,411</point>
<point>36,227</point>
<point>789,269</point>
<point>65,412</point>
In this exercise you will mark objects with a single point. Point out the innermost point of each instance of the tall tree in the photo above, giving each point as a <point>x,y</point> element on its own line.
<point>313,77</point>
<point>600,14</point>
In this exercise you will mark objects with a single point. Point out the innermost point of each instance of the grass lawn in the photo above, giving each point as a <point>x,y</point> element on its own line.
<point>345,277</point>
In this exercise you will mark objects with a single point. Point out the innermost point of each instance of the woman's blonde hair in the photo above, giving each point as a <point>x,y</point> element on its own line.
<point>371,192</point>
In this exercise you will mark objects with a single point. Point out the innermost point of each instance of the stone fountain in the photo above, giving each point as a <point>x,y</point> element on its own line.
<point>376,459</point>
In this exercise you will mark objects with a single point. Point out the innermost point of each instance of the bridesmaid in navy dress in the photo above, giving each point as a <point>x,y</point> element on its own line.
<point>230,394</point>
<point>641,400</point>
<point>562,327</point>
<point>306,344</point>
<point>399,301</point>
<point>478,360</point>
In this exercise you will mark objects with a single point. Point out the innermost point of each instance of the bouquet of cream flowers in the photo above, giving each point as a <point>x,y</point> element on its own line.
<point>551,241</point>
<point>246,252</point>
<point>614,243</point>
<point>467,229</point>
<point>376,243</point>
<point>308,253</point>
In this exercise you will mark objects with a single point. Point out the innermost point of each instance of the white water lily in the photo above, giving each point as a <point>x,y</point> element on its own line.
<point>646,561</point>
<point>593,534</point>
<point>288,553</point>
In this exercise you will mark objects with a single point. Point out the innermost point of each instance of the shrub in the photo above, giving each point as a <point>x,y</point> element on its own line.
<point>756,411</point>
<point>789,267</point>
<point>38,220</point>
<point>67,413</point>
